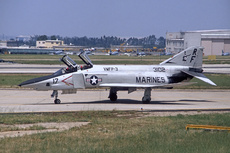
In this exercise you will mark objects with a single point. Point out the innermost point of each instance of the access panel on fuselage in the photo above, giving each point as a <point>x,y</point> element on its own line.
<point>78,81</point>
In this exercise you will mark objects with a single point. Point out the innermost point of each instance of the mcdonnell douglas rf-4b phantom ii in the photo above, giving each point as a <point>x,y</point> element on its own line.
<point>174,71</point>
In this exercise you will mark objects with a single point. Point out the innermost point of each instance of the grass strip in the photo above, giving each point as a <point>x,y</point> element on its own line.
<point>102,59</point>
<point>117,131</point>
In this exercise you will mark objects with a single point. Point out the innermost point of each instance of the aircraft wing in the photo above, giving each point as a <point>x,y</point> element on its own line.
<point>127,85</point>
<point>145,85</point>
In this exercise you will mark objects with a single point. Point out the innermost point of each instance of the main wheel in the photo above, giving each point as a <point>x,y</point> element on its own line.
<point>57,101</point>
<point>113,97</point>
<point>146,101</point>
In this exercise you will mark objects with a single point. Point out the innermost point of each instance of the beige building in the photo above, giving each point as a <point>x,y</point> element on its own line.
<point>3,44</point>
<point>49,43</point>
<point>213,41</point>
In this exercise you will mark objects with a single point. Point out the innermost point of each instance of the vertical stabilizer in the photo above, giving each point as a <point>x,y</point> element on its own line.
<point>191,57</point>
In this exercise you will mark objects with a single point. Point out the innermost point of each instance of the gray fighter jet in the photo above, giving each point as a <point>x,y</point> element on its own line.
<point>177,70</point>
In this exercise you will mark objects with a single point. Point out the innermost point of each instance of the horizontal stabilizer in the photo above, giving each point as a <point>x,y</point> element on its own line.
<point>200,76</point>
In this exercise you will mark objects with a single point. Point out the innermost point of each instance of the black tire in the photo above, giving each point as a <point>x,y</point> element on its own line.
<point>147,101</point>
<point>113,97</point>
<point>57,101</point>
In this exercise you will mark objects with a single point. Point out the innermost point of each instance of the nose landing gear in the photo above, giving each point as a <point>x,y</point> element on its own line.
<point>55,95</point>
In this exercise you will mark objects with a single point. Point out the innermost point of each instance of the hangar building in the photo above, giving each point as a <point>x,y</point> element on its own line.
<point>213,41</point>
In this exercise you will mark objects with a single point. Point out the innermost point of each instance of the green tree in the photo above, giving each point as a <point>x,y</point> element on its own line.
<point>42,37</point>
<point>53,37</point>
<point>161,42</point>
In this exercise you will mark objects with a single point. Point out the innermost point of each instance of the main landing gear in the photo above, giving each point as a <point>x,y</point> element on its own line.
<point>147,96</point>
<point>113,94</point>
<point>55,95</point>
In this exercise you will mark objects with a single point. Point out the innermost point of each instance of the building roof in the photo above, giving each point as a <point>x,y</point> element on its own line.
<point>204,31</point>
<point>51,40</point>
<point>216,36</point>
<point>214,30</point>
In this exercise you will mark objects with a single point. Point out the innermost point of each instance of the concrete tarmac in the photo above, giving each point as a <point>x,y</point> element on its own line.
<point>24,101</point>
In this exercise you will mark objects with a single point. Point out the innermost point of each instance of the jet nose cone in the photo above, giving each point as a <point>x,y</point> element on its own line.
<point>31,83</point>
<point>28,82</point>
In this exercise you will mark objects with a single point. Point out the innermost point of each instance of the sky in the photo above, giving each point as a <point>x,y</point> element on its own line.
<point>121,18</point>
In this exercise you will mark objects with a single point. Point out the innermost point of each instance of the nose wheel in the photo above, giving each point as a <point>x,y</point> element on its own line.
<point>55,95</point>
<point>57,101</point>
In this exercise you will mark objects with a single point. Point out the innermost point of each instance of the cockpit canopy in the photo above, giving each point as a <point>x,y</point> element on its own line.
<point>72,66</point>
<point>85,58</point>
<point>70,63</point>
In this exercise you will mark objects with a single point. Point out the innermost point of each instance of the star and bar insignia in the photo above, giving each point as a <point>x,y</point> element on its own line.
<point>93,80</point>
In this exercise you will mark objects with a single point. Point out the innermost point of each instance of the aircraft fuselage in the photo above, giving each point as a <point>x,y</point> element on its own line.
<point>107,76</point>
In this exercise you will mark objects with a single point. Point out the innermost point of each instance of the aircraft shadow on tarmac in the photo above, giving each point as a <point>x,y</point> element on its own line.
<point>130,101</point>
<point>190,100</point>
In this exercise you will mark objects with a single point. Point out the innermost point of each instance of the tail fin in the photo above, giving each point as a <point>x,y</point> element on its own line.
<point>191,57</point>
